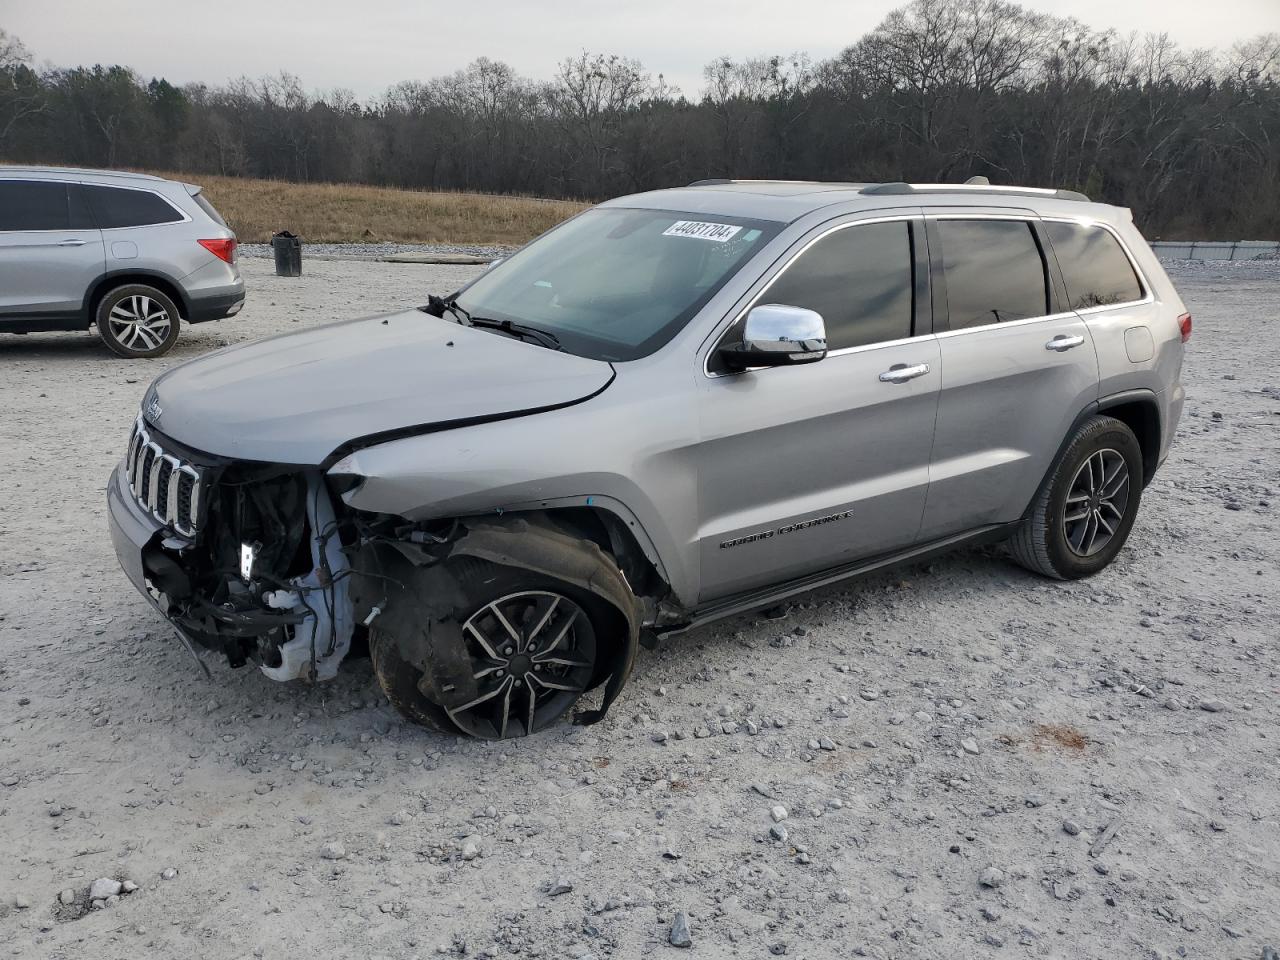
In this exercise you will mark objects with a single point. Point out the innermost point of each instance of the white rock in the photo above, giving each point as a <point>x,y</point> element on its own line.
<point>970,746</point>
<point>104,887</point>
<point>333,850</point>
<point>779,813</point>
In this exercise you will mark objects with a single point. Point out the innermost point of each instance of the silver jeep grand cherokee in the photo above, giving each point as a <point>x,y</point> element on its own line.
<point>674,407</point>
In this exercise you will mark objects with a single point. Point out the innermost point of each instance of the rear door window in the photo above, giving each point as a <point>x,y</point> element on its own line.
<point>33,205</point>
<point>1094,267</point>
<point>117,207</point>
<point>78,207</point>
<point>994,271</point>
<point>859,278</point>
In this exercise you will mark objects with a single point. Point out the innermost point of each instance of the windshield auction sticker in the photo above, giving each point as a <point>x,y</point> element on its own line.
<point>697,230</point>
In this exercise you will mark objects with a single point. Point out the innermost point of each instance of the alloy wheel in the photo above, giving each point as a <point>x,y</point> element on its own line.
<point>139,322</point>
<point>533,654</point>
<point>1096,502</point>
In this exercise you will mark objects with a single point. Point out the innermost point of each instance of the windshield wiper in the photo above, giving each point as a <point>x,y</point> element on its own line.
<point>544,337</point>
<point>437,306</point>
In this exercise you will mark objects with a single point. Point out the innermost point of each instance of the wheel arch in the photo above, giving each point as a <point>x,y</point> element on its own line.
<point>121,278</point>
<point>1139,410</point>
<point>611,524</point>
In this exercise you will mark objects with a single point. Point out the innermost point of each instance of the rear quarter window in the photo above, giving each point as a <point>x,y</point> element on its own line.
<point>207,207</point>
<point>1094,267</point>
<point>116,207</point>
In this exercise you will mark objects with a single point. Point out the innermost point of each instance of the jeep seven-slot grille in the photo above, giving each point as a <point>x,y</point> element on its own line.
<point>166,487</point>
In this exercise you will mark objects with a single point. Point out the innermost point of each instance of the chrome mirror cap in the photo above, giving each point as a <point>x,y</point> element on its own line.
<point>777,335</point>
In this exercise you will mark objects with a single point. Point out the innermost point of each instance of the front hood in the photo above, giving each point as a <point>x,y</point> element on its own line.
<point>296,398</point>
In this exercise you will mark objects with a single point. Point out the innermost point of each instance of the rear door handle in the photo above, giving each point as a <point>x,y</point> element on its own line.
<point>901,373</point>
<point>1063,342</point>
<point>72,243</point>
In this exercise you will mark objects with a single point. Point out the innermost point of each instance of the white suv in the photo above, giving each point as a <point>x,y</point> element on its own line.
<point>131,253</point>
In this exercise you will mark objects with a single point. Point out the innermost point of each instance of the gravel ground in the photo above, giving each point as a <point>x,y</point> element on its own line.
<point>952,760</point>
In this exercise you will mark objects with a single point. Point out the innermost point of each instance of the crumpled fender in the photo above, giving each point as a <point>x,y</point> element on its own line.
<point>539,547</point>
<point>423,623</point>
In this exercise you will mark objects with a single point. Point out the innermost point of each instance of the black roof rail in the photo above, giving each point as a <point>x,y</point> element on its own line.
<point>905,189</point>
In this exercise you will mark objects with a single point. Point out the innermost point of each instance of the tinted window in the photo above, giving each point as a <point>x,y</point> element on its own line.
<point>1096,270</point>
<point>207,207</point>
<point>994,272</point>
<point>33,205</point>
<point>859,279</point>
<point>115,207</point>
<point>78,205</point>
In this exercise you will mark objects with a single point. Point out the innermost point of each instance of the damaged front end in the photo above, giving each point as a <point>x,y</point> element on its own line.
<point>267,563</point>
<point>251,560</point>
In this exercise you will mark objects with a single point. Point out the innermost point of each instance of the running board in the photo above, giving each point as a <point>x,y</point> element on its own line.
<point>776,593</point>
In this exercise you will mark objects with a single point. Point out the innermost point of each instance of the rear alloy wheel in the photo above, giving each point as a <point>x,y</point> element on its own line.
<point>1083,513</point>
<point>137,321</point>
<point>1096,503</point>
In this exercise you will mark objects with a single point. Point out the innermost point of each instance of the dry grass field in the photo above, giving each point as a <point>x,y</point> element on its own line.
<point>351,213</point>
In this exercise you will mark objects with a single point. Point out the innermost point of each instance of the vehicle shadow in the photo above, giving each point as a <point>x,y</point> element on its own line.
<point>87,345</point>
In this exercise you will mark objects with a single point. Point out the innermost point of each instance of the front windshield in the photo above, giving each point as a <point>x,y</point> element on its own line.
<point>616,283</point>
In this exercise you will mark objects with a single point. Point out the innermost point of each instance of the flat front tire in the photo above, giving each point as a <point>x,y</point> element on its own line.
<point>137,321</point>
<point>1082,514</point>
<point>532,645</point>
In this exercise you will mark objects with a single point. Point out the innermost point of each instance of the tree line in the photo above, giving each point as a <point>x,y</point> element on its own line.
<point>939,91</point>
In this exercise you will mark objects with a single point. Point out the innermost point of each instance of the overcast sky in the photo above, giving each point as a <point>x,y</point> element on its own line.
<point>367,45</point>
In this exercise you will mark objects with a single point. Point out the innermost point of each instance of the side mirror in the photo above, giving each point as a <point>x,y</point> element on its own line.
<point>776,336</point>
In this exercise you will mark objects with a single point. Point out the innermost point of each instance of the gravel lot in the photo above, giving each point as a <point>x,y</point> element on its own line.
<point>971,761</point>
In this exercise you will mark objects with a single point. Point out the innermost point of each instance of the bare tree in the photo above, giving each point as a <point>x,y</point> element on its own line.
<point>1189,139</point>
<point>21,96</point>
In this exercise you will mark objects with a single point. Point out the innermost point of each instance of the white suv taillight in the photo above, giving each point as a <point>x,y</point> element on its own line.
<point>1184,324</point>
<point>223,249</point>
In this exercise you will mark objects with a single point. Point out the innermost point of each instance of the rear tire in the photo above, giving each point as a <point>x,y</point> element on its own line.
<point>532,641</point>
<point>1082,515</point>
<point>137,321</point>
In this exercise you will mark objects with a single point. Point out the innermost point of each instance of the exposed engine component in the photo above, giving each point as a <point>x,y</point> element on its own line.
<point>319,643</point>
<point>265,577</point>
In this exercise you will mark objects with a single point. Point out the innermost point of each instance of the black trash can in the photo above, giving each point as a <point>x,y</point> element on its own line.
<point>288,251</point>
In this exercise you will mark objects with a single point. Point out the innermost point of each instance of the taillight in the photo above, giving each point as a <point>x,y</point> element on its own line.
<point>1184,324</point>
<point>222,249</point>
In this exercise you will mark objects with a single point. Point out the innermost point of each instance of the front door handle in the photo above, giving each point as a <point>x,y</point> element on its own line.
<point>901,373</point>
<point>1063,342</point>
<point>72,243</point>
